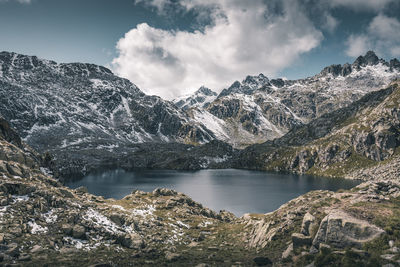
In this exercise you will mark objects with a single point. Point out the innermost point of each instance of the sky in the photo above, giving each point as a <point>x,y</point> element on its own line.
<point>172,47</point>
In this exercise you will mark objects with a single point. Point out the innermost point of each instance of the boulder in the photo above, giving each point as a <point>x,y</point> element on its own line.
<point>36,249</point>
<point>133,241</point>
<point>78,232</point>
<point>340,230</point>
<point>170,256</point>
<point>67,229</point>
<point>307,224</point>
<point>81,190</point>
<point>300,240</point>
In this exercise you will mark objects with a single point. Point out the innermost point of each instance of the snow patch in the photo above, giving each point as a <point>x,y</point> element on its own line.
<point>144,212</point>
<point>81,244</point>
<point>102,221</point>
<point>212,123</point>
<point>20,198</point>
<point>46,171</point>
<point>182,224</point>
<point>50,217</point>
<point>36,228</point>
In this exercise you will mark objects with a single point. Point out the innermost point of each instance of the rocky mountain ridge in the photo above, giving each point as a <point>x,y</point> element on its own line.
<point>258,109</point>
<point>357,141</point>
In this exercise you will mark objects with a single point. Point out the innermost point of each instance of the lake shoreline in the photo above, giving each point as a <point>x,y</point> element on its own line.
<point>238,191</point>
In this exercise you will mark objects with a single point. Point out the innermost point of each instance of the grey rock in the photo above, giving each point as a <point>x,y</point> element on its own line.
<point>36,249</point>
<point>340,230</point>
<point>81,190</point>
<point>24,257</point>
<point>133,241</point>
<point>78,231</point>
<point>170,256</point>
<point>288,251</point>
<point>67,229</point>
<point>307,223</point>
<point>300,240</point>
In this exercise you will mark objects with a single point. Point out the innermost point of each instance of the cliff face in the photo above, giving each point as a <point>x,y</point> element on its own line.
<point>43,222</point>
<point>358,139</point>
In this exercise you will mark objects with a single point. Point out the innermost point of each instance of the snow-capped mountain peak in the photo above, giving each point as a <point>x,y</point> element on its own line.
<point>201,98</point>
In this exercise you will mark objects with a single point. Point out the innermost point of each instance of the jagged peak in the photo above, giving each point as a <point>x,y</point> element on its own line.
<point>205,91</point>
<point>249,80</point>
<point>370,58</point>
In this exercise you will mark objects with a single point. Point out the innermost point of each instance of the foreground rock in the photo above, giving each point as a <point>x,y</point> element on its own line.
<point>340,230</point>
<point>353,226</point>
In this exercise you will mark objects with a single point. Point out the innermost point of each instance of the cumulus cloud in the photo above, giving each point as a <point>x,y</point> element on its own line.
<point>382,35</point>
<point>241,38</point>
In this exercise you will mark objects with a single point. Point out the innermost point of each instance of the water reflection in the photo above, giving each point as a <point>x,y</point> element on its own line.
<point>239,191</point>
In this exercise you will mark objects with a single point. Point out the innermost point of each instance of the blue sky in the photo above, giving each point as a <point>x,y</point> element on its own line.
<point>171,47</point>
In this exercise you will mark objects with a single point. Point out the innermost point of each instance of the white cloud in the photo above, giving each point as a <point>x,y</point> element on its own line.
<point>357,45</point>
<point>362,5</point>
<point>382,36</point>
<point>243,38</point>
<point>19,1</point>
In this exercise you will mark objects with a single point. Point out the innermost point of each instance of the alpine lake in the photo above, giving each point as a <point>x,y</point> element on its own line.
<point>237,191</point>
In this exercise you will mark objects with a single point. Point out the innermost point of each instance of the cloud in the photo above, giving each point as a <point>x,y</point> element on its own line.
<point>242,38</point>
<point>382,35</point>
<point>19,1</point>
<point>357,45</point>
<point>330,23</point>
<point>362,5</point>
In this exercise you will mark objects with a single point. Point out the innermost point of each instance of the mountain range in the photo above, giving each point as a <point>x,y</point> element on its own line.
<point>259,109</point>
<point>86,118</point>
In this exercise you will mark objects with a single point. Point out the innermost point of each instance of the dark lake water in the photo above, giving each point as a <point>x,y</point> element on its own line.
<point>238,191</point>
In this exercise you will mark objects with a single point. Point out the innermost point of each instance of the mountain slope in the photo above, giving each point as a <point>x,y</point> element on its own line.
<point>46,224</point>
<point>84,104</point>
<point>354,141</point>
<point>72,108</point>
<point>258,109</point>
